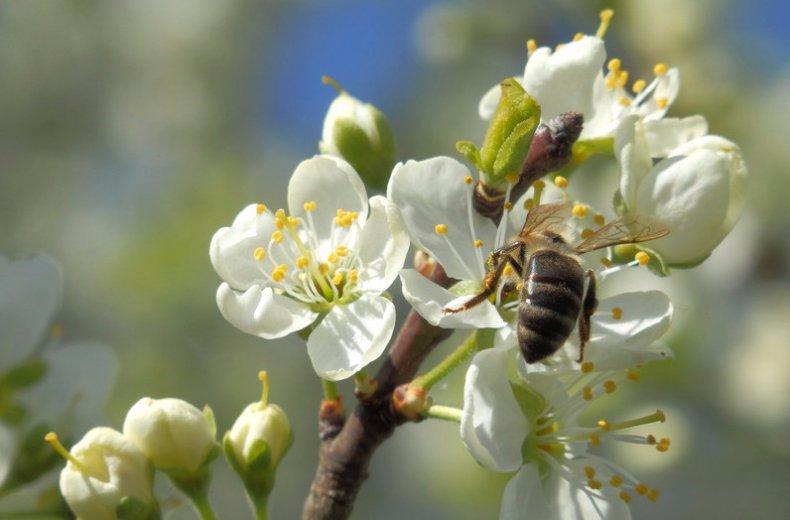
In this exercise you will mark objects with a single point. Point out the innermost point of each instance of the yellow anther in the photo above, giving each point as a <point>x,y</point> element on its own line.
<point>478,243</point>
<point>606,18</point>
<point>614,64</point>
<point>660,69</point>
<point>341,251</point>
<point>595,439</point>
<point>323,268</point>
<point>280,214</point>
<point>508,271</point>
<point>641,489</point>
<point>642,257</point>
<point>589,471</point>
<point>616,481</point>
<point>662,102</point>
<point>332,258</point>
<point>560,182</point>
<point>638,86</point>
<point>532,45</point>
<point>606,261</point>
<point>604,425</point>
<point>345,218</point>
<point>650,439</point>
<point>661,417</point>
<point>353,276</point>
<point>587,394</point>
<point>578,36</point>
<point>617,313</point>
<point>279,272</point>
<point>624,101</point>
<point>610,82</point>
<point>259,253</point>
<point>653,494</point>
<point>594,484</point>
<point>468,179</point>
<point>538,185</point>
<point>508,206</point>
<point>302,262</point>
<point>529,204</point>
<point>260,209</point>
<point>292,222</point>
<point>277,237</point>
<point>338,278</point>
<point>579,210</point>
<point>622,79</point>
<point>587,233</point>
<point>512,178</point>
<point>587,367</point>
<point>624,496</point>
<point>309,206</point>
<point>609,386</point>
<point>279,223</point>
<point>599,220</point>
<point>441,229</point>
<point>632,375</point>
<point>663,445</point>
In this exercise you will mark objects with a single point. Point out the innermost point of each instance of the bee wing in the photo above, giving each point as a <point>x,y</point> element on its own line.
<point>545,216</point>
<point>623,230</point>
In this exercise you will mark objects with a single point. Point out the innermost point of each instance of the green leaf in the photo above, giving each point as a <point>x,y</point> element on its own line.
<point>24,375</point>
<point>469,150</point>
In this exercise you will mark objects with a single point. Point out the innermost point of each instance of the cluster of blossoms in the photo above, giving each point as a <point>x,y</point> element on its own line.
<point>109,474</point>
<point>322,267</point>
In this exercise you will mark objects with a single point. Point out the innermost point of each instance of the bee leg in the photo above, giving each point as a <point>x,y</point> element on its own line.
<point>489,286</point>
<point>589,305</point>
<point>496,254</point>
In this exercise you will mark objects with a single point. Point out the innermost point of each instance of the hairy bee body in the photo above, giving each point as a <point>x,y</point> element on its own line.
<point>551,300</point>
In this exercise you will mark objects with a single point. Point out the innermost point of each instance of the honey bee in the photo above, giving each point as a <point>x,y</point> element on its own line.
<point>553,298</point>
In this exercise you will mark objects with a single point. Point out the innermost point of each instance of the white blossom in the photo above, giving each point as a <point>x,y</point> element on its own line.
<point>170,432</point>
<point>526,422</point>
<point>103,468</point>
<point>697,189</point>
<point>435,199</point>
<point>571,78</point>
<point>322,265</point>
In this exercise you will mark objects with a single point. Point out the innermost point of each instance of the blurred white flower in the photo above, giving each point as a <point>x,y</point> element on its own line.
<point>571,78</point>
<point>322,267</point>
<point>698,190</point>
<point>527,423</point>
<point>171,433</point>
<point>435,200</point>
<point>103,468</point>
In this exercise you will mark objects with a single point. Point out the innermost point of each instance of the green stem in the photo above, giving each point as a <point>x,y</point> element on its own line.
<point>445,413</point>
<point>261,513</point>
<point>203,507</point>
<point>330,390</point>
<point>445,366</point>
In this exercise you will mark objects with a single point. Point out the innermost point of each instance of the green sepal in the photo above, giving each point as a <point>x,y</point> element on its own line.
<point>510,133</point>
<point>625,253</point>
<point>472,153</point>
<point>257,473</point>
<point>24,375</point>
<point>195,483</point>
<point>132,508</point>
<point>583,149</point>
<point>208,413</point>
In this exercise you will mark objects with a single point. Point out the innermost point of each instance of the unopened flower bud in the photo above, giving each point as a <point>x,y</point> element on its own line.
<point>104,470</point>
<point>359,133</point>
<point>257,442</point>
<point>410,401</point>
<point>172,433</point>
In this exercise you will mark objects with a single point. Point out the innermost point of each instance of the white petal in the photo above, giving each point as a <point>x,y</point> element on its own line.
<point>562,81</point>
<point>383,237</point>
<point>490,100</point>
<point>77,382</point>
<point>664,135</point>
<point>493,427</point>
<point>332,184</point>
<point>690,194</point>
<point>667,89</point>
<point>607,112</point>
<point>432,192</point>
<point>429,300</point>
<point>523,498</point>
<point>30,293</point>
<point>351,336</point>
<point>231,250</point>
<point>630,340</point>
<point>573,501</point>
<point>631,149</point>
<point>261,312</point>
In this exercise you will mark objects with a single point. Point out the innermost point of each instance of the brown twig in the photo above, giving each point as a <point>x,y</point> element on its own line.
<point>344,457</point>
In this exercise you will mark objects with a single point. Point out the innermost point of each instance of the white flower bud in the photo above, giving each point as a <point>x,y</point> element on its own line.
<point>103,468</point>
<point>360,134</point>
<point>260,421</point>
<point>172,433</point>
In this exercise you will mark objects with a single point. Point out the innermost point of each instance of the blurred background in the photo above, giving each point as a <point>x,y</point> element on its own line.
<point>131,131</point>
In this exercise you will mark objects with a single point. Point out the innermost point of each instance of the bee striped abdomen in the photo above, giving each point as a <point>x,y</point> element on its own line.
<point>550,303</point>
